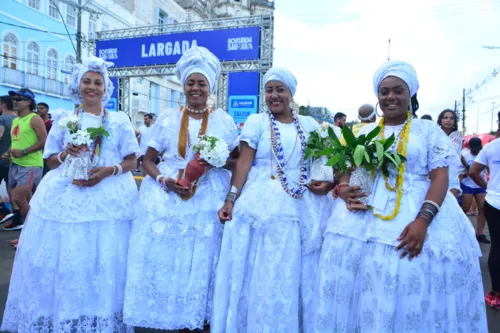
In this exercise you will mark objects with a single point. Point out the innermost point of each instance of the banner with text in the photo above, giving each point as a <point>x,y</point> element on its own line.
<point>226,44</point>
<point>243,91</point>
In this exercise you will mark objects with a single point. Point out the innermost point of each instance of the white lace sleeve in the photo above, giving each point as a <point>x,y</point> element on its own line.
<point>251,130</point>
<point>457,141</point>
<point>440,150</point>
<point>159,134</point>
<point>230,131</point>
<point>127,144</point>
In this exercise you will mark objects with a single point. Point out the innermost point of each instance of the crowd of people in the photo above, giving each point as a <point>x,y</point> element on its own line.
<point>259,244</point>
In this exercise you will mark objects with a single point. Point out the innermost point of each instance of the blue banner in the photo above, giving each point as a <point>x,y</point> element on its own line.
<point>112,104</point>
<point>243,91</point>
<point>227,45</point>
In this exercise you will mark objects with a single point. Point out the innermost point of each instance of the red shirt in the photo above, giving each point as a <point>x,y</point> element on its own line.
<point>48,125</point>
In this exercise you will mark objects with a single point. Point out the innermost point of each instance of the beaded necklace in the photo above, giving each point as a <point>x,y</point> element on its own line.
<point>401,149</point>
<point>94,156</point>
<point>277,151</point>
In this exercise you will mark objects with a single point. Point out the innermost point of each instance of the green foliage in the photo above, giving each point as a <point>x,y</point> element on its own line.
<point>97,131</point>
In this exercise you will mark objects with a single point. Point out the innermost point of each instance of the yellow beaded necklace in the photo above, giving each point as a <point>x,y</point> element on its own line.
<point>402,145</point>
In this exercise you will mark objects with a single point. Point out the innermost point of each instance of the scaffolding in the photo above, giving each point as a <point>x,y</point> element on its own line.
<point>261,65</point>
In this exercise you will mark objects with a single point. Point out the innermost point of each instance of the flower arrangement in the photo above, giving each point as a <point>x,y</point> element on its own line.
<point>78,167</point>
<point>212,150</point>
<point>318,142</point>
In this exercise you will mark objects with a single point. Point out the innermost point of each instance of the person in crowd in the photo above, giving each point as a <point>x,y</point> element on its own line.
<point>70,267</point>
<point>473,192</point>
<point>42,109</point>
<point>366,114</point>
<point>489,157</point>
<point>339,120</point>
<point>176,234</point>
<point>427,117</point>
<point>7,116</point>
<point>28,137</point>
<point>273,216</point>
<point>144,135</point>
<point>448,121</point>
<point>407,262</point>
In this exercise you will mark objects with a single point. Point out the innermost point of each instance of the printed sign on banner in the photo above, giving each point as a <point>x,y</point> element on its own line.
<point>240,107</point>
<point>226,44</point>
<point>112,104</point>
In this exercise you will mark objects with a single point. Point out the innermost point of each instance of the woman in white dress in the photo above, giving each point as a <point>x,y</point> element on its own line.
<point>70,266</point>
<point>402,266</point>
<point>176,234</point>
<point>272,237</point>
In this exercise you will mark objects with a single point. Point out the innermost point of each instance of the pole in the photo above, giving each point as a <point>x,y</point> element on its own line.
<point>492,112</point>
<point>389,52</point>
<point>456,107</point>
<point>79,33</point>
<point>463,112</point>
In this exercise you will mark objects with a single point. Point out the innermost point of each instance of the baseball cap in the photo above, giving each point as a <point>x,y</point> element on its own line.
<point>23,92</point>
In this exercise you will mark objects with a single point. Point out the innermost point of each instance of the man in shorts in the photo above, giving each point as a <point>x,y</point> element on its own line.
<point>28,135</point>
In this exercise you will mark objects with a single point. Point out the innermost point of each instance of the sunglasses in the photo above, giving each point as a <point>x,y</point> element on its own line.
<point>20,98</point>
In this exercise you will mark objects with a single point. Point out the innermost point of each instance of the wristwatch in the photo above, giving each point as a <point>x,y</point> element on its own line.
<point>25,152</point>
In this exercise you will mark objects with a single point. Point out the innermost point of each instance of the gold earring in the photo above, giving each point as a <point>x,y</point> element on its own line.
<point>376,111</point>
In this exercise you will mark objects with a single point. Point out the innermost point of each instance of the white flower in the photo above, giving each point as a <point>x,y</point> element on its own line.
<point>325,125</point>
<point>81,137</point>
<point>348,164</point>
<point>323,133</point>
<point>214,151</point>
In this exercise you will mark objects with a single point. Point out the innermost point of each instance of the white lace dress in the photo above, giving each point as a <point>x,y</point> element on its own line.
<point>362,284</point>
<point>70,266</point>
<point>175,244</point>
<point>270,249</point>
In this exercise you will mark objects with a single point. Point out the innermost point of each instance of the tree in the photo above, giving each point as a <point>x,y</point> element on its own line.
<point>303,110</point>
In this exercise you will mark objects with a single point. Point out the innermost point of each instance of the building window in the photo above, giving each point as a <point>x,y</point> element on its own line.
<point>34,4</point>
<point>71,16</point>
<point>10,51</point>
<point>33,58</point>
<point>69,62</point>
<point>52,64</point>
<point>53,10</point>
<point>162,17</point>
<point>92,27</point>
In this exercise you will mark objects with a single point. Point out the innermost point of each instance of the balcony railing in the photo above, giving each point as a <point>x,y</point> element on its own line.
<point>32,81</point>
<point>262,3</point>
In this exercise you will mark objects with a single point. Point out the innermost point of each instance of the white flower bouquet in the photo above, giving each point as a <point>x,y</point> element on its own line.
<point>318,141</point>
<point>212,150</point>
<point>78,167</point>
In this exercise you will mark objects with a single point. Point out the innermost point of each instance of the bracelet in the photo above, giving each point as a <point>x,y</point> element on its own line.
<point>231,197</point>
<point>120,169</point>
<point>159,177</point>
<point>115,170</point>
<point>433,204</point>
<point>426,216</point>
<point>340,186</point>
<point>59,157</point>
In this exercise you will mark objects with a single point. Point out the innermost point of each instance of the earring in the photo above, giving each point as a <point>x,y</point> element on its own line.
<point>212,105</point>
<point>376,111</point>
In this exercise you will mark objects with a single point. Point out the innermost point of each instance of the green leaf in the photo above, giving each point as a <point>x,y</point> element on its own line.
<point>308,153</point>
<point>380,150</point>
<point>369,167</point>
<point>361,140</point>
<point>99,131</point>
<point>359,153</point>
<point>397,159</point>
<point>349,137</point>
<point>388,143</point>
<point>367,157</point>
<point>333,161</point>
<point>389,156</point>
<point>325,152</point>
<point>385,171</point>
<point>370,136</point>
<point>333,136</point>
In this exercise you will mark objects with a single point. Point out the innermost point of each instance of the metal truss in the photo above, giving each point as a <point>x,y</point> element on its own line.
<point>124,95</point>
<point>265,22</point>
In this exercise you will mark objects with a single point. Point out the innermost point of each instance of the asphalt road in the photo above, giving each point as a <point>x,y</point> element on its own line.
<point>7,256</point>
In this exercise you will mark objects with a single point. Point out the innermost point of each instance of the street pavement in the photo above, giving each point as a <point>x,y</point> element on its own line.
<point>7,256</point>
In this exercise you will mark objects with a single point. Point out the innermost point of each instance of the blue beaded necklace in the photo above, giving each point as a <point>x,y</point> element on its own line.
<point>277,151</point>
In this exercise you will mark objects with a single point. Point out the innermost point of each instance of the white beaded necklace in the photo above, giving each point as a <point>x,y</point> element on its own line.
<point>198,111</point>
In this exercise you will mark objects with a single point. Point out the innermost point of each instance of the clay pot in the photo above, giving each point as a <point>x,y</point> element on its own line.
<point>194,170</point>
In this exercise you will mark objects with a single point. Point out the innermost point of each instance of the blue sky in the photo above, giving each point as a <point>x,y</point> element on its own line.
<point>335,46</point>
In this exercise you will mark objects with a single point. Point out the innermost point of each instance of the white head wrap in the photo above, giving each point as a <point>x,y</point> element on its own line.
<point>199,60</point>
<point>399,69</point>
<point>373,114</point>
<point>282,75</point>
<point>92,64</point>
